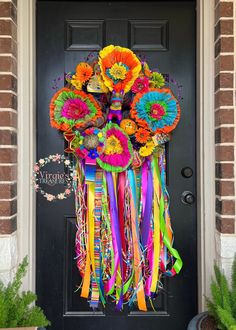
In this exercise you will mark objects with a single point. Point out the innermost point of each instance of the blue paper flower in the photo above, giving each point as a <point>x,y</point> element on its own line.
<point>157,110</point>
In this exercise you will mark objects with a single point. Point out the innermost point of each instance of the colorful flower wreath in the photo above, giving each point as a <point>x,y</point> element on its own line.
<point>97,93</point>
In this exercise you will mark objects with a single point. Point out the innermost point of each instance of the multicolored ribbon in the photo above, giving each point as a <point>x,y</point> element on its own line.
<point>124,241</point>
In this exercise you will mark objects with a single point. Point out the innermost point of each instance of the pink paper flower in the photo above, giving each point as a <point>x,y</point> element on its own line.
<point>75,109</point>
<point>140,85</point>
<point>118,152</point>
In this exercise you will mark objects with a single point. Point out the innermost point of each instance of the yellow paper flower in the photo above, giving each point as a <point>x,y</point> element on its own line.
<point>113,146</point>
<point>76,83</point>
<point>148,149</point>
<point>118,71</point>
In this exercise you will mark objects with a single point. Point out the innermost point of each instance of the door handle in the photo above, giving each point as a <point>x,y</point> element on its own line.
<point>187,198</point>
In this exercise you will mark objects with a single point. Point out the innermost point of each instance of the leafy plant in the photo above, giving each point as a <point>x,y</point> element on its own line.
<point>223,304</point>
<point>17,309</point>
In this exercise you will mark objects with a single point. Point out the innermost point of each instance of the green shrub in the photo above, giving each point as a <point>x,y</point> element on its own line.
<point>17,309</point>
<point>223,304</point>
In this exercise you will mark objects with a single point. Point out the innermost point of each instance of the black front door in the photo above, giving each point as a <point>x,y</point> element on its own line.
<point>164,33</point>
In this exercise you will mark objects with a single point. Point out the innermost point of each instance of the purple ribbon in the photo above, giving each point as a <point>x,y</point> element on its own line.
<point>147,197</point>
<point>116,240</point>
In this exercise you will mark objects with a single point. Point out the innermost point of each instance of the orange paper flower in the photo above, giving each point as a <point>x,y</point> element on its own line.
<point>142,135</point>
<point>83,72</point>
<point>120,67</point>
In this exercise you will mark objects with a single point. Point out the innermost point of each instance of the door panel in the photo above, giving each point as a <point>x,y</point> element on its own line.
<point>163,33</point>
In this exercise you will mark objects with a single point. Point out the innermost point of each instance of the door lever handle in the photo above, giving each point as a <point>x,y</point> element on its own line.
<point>187,197</point>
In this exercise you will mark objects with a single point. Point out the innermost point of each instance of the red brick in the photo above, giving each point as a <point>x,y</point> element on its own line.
<point>7,27</point>
<point>224,9</point>
<point>224,153</point>
<point>223,98</point>
<point>8,155</point>
<point>8,173</point>
<point>224,116</point>
<point>8,208</point>
<point>8,100</point>
<point>8,226</point>
<point>224,135</point>
<point>224,188</point>
<point>224,80</point>
<point>226,207</point>
<point>224,45</point>
<point>8,64</point>
<point>7,190</point>
<point>225,225</point>
<point>224,63</point>
<point>224,171</point>
<point>8,137</point>
<point>8,45</point>
<point>225,27</point>
<point>8,118</point>
<point>7,9</point>
<point>8,82</point>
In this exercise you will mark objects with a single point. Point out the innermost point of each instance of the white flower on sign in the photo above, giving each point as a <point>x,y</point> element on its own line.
<point>49,197</point>
<point>61,196</point>
<point>67,162</point>
<point>41,161</point>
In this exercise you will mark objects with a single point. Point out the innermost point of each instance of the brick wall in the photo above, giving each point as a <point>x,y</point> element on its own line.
<point>225,130</point>
<point>8,137</point>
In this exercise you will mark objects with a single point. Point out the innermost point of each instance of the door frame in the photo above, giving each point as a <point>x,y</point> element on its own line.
<point>205,141</point>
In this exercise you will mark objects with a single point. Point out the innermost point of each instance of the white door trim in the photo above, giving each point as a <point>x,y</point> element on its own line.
<point>205,138</point>
<point>205,147</point>
<point>26,14</point>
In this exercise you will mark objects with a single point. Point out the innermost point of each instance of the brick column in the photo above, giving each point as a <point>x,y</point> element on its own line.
<point>8,137</point>
<point>225,130</point>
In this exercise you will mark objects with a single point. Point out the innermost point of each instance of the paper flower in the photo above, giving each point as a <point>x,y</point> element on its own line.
<point>157,110</point>
<point>140,85</point>
<point>119,68</point>
<point>76,83</point>
<point>142,135</point>
<point>157,80</point>
<point>83,72</point>
<point>118,152</point>
<point>73,109</point>
<point>148,149</point>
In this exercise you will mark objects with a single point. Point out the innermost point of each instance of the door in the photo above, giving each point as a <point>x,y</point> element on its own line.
<point>163,33</point>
